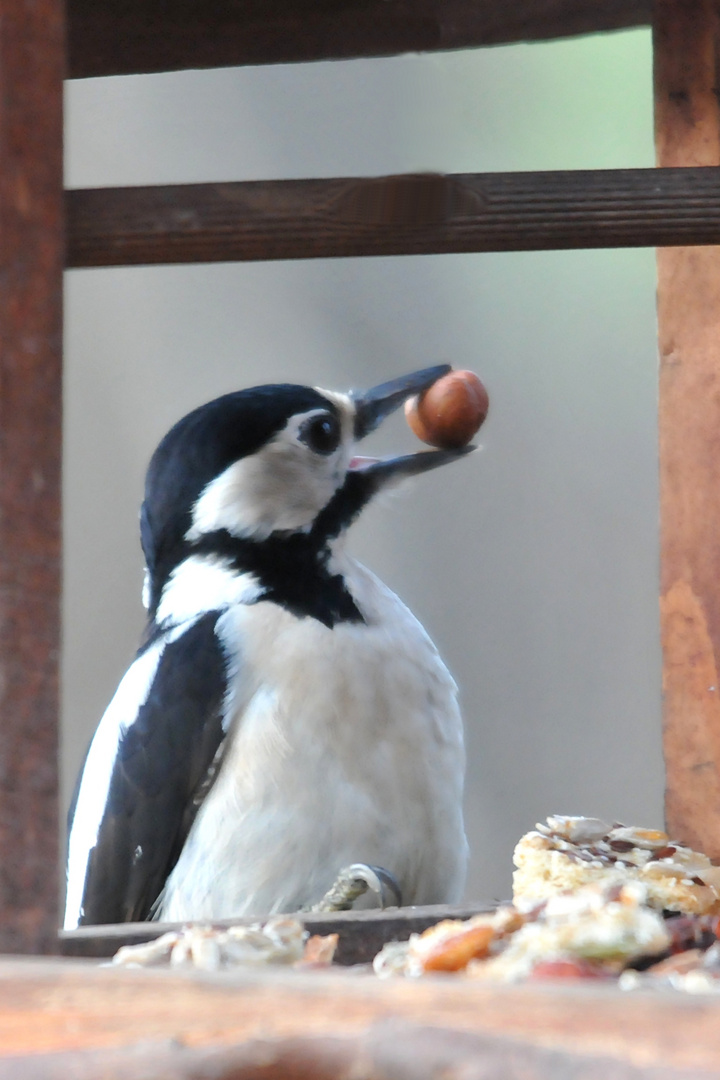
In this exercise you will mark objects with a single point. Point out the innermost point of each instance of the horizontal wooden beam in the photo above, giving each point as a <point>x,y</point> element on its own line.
<point>361,934</point>
<point>110,38</point>
<point>395,215</point>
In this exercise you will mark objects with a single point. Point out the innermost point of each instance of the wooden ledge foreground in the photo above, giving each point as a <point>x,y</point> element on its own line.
<point>361,934</point>
<point>74,1018</point>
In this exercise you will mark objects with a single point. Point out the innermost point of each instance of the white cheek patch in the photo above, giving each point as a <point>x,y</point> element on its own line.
<point>204,583</point>
<point>281,488</point>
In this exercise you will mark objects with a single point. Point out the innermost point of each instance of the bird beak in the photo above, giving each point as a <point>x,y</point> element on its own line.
<point>365,475</point>
<point>371,408</point>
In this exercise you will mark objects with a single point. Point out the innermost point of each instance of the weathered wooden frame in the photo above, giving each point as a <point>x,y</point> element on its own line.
<point>676,206</point>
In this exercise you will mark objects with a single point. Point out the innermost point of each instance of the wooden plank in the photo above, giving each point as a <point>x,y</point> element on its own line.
<point>361,933</point>
<point>389,1048</point>
<point>396,215</point>
<point>110,38</point>
<point>687,46</point>
<point>50,1007</point>
<point>31,69</point>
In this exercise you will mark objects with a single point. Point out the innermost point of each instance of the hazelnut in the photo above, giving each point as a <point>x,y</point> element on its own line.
<point>448,413</point>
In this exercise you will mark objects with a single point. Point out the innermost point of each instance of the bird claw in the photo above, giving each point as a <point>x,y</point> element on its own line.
<point>354,881</point>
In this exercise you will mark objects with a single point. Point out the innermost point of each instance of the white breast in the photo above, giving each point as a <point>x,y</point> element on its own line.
<point>346,747</point>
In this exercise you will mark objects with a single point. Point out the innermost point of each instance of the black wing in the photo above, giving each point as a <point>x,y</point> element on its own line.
<point>165,763</point>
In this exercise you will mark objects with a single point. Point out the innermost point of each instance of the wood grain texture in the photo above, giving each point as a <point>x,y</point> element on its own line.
<point>395,215</point>
<point>65,1007</point>
<point>388,1050</point>
<point>107,37</point>
<point>687,43</point>
<point>361,933</point>
<point>31,68</point>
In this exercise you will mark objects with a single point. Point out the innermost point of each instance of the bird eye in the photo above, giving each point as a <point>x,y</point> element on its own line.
<point>321,433</point>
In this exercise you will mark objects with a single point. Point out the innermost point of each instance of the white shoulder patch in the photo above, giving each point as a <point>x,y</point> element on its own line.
<point>130,695</point>
<point>204,583</point>
<point>92,796</point>
<point>146,589</point>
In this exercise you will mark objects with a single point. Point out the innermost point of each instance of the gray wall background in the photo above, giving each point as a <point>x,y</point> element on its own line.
<point>534,564</point>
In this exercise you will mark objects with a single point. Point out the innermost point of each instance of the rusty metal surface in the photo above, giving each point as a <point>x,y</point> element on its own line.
<point>31,68</point>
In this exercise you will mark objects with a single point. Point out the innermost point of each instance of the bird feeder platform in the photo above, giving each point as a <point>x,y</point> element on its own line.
<point>100,1022</point>
<point>74,1018</point>
<point>62,1017</point>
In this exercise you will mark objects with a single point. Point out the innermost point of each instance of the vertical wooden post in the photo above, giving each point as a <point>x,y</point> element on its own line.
<point>31,250</point>
<point>687,87</point>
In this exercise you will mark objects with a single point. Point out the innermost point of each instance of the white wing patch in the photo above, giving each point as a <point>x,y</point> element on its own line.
<point>130,695</point>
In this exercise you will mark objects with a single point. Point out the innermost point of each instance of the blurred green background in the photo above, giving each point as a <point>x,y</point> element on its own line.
<point>534,564</point>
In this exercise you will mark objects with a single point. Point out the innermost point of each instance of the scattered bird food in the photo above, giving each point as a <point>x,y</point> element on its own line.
<point>592,900</point>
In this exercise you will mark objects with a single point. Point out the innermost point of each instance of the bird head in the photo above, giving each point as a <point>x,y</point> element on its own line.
<point>271,464</point>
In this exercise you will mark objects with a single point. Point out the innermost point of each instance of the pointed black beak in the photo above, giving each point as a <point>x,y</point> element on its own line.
<point>379,472</point>
<point>365,476</point>
<point>372,406</point>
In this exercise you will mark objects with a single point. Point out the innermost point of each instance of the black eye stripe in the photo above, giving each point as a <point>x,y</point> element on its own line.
<point>321,433</point>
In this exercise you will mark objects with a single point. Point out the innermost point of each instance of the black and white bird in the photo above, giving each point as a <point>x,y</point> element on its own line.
<point>285,714</point>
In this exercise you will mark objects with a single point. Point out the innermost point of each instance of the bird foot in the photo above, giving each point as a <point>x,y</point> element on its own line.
<point>354,881</point>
